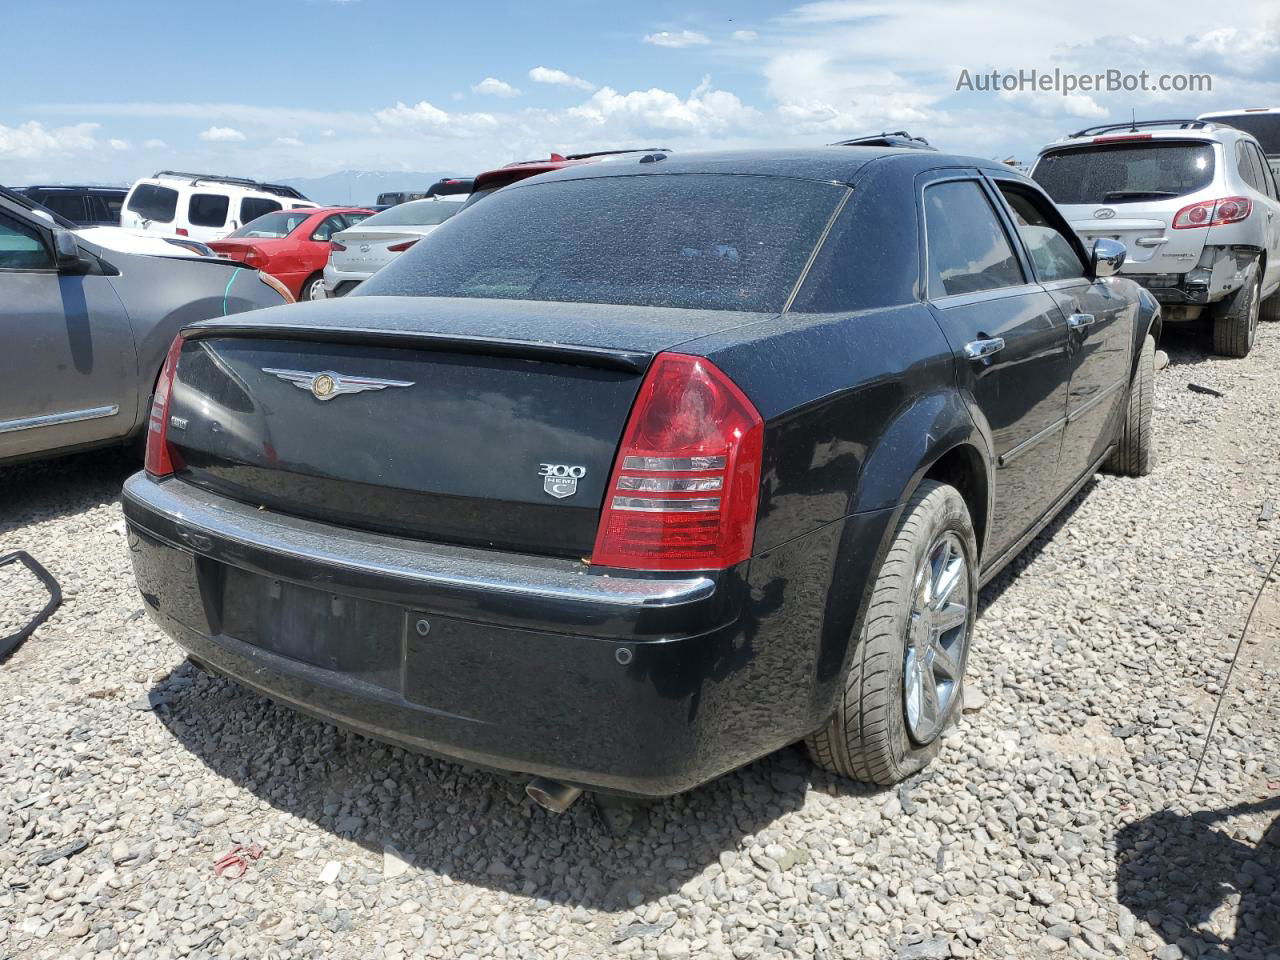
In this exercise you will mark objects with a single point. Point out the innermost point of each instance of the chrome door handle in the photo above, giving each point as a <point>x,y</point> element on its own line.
<point>1081,321</point>
<point>978,349</point>
<point>1151,241</point>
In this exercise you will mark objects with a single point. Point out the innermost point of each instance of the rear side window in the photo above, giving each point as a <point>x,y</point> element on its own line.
<point>151,202</point>
<point>208,209</point>
<point>1125,173</point>
<point>711,241</point>
<point>251,208</point>
<point>1051,252</point>
<point>109,207</point>
<point>967,248</point>
<point>21,247</point>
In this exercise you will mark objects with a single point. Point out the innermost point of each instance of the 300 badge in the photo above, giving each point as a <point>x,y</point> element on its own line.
<point>560,479</point>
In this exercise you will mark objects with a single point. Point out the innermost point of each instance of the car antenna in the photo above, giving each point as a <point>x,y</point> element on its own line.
<point>1134,120</point>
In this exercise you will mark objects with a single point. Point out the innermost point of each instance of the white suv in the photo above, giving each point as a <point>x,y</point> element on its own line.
<point>1197,206</point>
<point>202,206</point>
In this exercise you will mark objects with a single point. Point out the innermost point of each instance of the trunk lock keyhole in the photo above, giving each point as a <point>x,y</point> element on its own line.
<point>423,627</point>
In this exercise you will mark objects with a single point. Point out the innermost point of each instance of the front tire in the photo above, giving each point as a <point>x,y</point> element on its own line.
<point>1132,455</point>
<point>313,289</point>
<point>906,677</point>
<point>1234,328</point>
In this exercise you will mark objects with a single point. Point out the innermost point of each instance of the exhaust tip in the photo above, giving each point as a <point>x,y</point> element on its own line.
<point>552,795</point>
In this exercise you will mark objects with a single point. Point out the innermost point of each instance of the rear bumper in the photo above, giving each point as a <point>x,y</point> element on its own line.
<point>338,283</point>
<point>644,685</point>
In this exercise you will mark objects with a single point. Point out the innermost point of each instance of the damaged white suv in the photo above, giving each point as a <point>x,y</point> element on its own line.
<point>1197,206</point>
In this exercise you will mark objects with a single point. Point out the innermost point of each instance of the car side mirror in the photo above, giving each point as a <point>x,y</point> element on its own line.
<point>66,252</point>
<point>1107,257</point>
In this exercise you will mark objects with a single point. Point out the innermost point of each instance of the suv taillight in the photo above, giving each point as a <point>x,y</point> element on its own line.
<point>162,460</point>
<point>684,487</point>
<point>1213,213</point>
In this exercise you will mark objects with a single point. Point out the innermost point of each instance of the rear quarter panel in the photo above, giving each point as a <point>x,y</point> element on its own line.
<point>163,294</point>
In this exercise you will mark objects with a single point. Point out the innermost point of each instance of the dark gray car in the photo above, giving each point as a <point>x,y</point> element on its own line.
<point>84,330</point>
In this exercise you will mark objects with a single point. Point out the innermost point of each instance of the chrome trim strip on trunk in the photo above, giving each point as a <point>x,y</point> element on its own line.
<point>203,518</point>
<point>53,419</point>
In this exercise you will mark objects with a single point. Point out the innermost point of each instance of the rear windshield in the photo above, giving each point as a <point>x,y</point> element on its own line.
<point>154,203</point>
<point>711,241</point>
<point>1265,128</point>
<point>418,213</point>
<point>274,226</point>
<point>1125,172</point>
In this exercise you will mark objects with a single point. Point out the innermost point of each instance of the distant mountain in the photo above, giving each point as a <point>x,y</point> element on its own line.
<point>363,186</point>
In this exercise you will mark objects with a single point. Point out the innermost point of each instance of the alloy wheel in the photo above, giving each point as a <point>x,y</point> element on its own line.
<point>316,291</point>
<point>936,638</point>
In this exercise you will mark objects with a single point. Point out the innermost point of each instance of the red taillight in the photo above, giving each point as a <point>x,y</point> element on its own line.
<point>253,255</point>
<point>683,491</point>
<point>162,460</point>
<point>401,247</point>
<point>181,231</point>
<point>1122,136</point>
<point>1213,213</point>
<point>335,245</point>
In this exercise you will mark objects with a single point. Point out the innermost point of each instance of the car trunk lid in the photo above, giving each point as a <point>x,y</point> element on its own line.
<point>483,422</point>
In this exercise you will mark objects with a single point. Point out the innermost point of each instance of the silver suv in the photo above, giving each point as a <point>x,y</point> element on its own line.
<point>1197,206</point>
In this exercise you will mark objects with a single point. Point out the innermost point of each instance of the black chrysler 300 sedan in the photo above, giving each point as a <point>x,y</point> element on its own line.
<point>639,471</point>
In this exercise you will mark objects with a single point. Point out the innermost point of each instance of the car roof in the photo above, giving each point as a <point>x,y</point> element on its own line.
<point>833,164</point>
<point>1202,129</point>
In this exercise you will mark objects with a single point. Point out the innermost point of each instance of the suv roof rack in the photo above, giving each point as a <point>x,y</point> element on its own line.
<point>899,138</point>
<point>72,186</point>
<point>1137,125</point>
<point>279,189</point>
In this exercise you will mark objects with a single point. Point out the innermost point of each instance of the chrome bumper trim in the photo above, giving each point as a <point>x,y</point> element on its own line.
<point>202,518</point>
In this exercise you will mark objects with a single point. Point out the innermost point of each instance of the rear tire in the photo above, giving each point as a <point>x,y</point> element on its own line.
<point>313,289</point>
<point>882,730</point>
<point>1270,309</point>
<point>1235,326</point>
<point>1132,456</point>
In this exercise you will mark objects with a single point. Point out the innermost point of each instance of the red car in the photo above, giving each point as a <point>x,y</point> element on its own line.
<point>291,245</point>
<point>491,180</point>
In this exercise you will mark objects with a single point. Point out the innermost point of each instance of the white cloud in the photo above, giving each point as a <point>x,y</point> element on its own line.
<point>493,87</point>
<point>704,111</point>
<point>156,144</point>
<point>684,38</point>
<point>559,77</point>
<point>221,135</point>
<point>424,114</point>
<point>743,36</point>
<point>116,144</point>
<point>33,139</point>
<point>288,142</point>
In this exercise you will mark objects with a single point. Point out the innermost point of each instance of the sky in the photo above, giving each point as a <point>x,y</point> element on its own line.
<point>299,88</point>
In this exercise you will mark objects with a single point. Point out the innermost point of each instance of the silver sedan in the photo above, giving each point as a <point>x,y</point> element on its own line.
<point>361,251</point>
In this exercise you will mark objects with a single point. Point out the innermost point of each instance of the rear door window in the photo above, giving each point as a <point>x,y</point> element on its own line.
<point>208,209</point>
<point>968,250</point>
<point>154,203</point>
<point>1268,175</point>
<point>251,208</point>
<point>69,205</point>
<point>1052,254</point>
<point>1126,172</point>
<point>327,228</point>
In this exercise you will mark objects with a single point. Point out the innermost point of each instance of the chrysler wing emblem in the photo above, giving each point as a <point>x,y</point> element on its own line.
<point>327,384</point>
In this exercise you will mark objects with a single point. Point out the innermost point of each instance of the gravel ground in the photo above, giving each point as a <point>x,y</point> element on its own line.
<point>1061,818</point>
